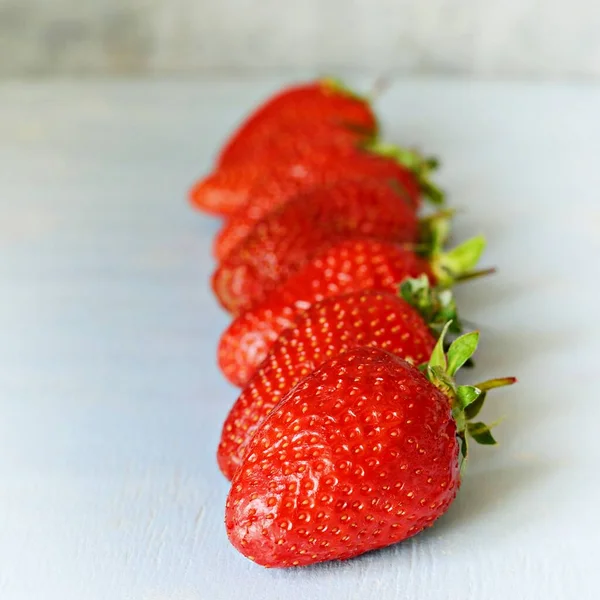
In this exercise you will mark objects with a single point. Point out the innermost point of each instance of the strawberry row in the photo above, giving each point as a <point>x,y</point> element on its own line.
<point>350,431</point>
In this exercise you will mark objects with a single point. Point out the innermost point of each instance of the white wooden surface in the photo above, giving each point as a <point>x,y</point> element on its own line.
<point>111,403</point>
<point>481,38</point>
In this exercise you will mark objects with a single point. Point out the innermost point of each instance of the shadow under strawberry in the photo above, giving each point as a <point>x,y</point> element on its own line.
<point>491,497</point>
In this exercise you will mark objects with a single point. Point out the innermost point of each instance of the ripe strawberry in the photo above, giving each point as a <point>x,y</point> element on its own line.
<point>291,235</point>
<point>251,189</point>
<point>298,138</point>
<point>325,101</point>
<point>363,453</point>
<point>280,187</point>
<point>326,329</point>
<point>348,266</point>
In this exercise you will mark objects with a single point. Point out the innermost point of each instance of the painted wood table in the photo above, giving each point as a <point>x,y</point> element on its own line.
<point>111,402</point>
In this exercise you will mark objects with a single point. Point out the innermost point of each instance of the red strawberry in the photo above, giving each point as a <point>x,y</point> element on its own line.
<point>290,236</point>
<point>363,453</point>
<point>298,138</point>
<point>326,329</point>
<point>251,189</point>
<point>285,183</point>
<point>349,266</point>
<point>325,101</point>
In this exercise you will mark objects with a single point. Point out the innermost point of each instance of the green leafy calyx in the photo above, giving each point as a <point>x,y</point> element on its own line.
<point>466,400</point>
<point>434,231</point>
<point>459,263</point>
<point>336,86</point>
<point>436,305</point>
<point>421,166</point>
<point>455,265</point>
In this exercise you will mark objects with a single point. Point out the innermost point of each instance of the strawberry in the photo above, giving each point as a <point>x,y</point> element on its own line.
<point>298,138</point>
<point>291,235</point>
<point>348,266</point>
<point>253,188</point>
<point>364,452</point>
<point>325,330</point>
<point>325,101</point>
<point>321,168</point>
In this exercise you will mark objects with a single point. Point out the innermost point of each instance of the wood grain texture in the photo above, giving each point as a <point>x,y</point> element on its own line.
<point>111,402</point>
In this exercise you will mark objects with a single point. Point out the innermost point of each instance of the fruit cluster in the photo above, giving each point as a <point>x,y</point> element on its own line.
<point>350,431</point>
